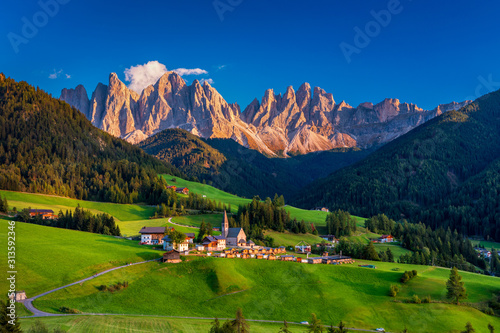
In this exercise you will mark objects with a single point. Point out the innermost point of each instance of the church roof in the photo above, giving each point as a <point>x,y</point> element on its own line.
<point>233,232</point>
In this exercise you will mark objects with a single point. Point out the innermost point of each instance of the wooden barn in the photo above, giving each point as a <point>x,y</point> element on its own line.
<point>172,257</point>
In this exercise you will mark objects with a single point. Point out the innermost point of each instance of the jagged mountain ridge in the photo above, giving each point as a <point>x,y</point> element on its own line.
<point>295,122</point>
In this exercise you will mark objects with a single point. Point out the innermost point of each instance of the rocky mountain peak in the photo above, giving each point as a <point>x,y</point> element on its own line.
<point>77,98</point>
<point>296,121</point>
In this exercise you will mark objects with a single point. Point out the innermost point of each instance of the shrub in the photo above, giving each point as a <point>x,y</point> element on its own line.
<point>393,291</point>
<point>65,309</point>
<point>408,275</point>
<point>415,299</point>
<point>426,299</point>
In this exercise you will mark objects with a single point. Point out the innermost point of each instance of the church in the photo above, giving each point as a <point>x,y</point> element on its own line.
<point>234,236</point>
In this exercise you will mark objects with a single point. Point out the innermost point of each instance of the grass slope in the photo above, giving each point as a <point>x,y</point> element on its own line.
<point>316,217</point>
<point>51,257</point>
<point>119,211</point>
<point>358,296</point>
<point>116,324</point>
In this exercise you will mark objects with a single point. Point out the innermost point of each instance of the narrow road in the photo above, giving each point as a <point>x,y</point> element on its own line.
<point>180,225</point>
<point>28,303</point>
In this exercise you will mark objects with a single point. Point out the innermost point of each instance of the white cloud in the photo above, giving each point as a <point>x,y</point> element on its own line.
<point>68,76</point>
<point>221,67</point>
<point>209,81</point>
<point>55,75</point>
<point>187,71</point>
<point>141,76</point>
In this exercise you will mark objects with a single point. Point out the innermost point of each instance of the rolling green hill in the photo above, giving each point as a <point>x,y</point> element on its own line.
<point>215,287</point>
<point>52,257</point>
<point>443,173</point>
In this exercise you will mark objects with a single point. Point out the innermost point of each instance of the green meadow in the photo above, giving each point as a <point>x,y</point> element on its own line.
<point>486,244</point>
<point>290,239</point>
<point>396,250</point>
<point>195,220</point>
<point>119,211</point>
<point>118,324</point>
<point>211,192</point>
<point>214,287</point>
<point>52,257</point>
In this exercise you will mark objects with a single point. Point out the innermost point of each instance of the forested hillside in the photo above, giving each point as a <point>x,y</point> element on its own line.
<point>46,146</point>
<point>231,167</point>
<point>443,173</point>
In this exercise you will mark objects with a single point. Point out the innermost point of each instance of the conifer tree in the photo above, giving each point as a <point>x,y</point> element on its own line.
<point>455,287</point>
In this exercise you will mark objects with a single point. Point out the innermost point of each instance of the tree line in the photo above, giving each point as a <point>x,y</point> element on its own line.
<point>79,219</point>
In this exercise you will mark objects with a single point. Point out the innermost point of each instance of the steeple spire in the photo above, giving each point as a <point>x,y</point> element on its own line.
<point>225,225</point>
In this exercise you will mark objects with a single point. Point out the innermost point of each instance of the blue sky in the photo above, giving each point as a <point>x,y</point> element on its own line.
<point>429,53</point>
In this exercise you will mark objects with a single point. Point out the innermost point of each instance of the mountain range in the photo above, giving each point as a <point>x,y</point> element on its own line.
<point>298,122</point>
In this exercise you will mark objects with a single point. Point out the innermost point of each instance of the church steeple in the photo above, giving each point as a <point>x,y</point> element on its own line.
<point>225,226</point>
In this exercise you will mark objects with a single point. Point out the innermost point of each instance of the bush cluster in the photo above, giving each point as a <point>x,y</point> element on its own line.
<point>408,275</point>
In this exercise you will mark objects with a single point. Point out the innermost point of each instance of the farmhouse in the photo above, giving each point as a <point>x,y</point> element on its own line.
<point>214,243</point>
<point>173,187</point>
<point>190,237</point>
<point>152,235</point>
<point>18,296</point>
<point>182,190</point>
<point>386,239</point>
<point>323,209</point>
<point>287,258</point>
<point>169,245</point>
<point>330,238</point>
<point>46,214</point>
<point>172,256</point>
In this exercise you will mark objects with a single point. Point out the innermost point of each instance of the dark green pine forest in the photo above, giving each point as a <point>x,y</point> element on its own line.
<point>445,173</point>
<point>48,147</point>
<point>225,164</point>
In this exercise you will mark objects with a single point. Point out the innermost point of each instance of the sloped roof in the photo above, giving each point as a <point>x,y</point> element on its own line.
<point>190,234</point>
<point>152,230</point>
<point>233,232</point>
<point>41,211</point>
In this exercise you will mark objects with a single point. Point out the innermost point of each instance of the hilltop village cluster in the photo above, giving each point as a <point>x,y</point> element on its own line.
<point>232,243</point>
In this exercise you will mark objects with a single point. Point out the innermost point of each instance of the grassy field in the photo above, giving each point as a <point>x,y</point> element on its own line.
<point>210,191</point>
<point>195,220</point>
<point>51,257</point>
<point>396,250</point>
<point>116,324</point>
<point>291,239</point>
<point>121,212</point>
<point>487,245</point>
<point>316,217</point>
<point>205,287</point>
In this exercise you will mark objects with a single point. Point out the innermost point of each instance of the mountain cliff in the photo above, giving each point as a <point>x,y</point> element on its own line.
<point>293,123</point>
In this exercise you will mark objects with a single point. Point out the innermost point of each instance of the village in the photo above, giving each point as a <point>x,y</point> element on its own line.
<point>232,243</point>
